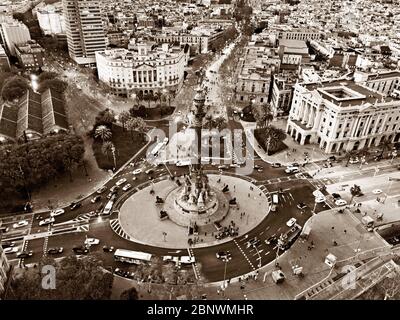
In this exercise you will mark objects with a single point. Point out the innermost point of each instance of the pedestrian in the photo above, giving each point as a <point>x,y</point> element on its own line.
<point>248,195</point>
<point>345,231</point>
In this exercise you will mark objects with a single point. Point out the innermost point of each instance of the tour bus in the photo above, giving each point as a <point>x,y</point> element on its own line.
<point>129,256</point>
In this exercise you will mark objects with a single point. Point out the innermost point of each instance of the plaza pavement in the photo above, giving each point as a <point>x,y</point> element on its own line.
<point>287,156</point>
<point>326,226</point>
<point>139,214</point>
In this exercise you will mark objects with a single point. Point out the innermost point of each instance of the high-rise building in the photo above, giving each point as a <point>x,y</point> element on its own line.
<point>13,33</point>
<point>84,28</point>
<point>51,20</point>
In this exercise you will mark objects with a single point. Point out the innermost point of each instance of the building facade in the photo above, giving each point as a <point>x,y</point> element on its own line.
<point>4,61</point>
<point>4,270</point>
<point>147,68</point>
<point>30,55</point>
<point>85,30</point>
<point>254,75</point>
<point>282,93</point>
<point>13,33</point>
<point>341,115</point>
<point>51,20</point>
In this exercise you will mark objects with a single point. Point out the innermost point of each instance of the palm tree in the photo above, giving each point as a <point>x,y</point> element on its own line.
<point>219,123</point>
<point>103,132</point>
<point>354,191</point>
<point>108,149</point>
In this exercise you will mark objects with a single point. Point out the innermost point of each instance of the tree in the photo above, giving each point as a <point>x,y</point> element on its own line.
<point>103,132</point>
<point>55,84</point>
<point>130,294</point>
<point>135,124</point>
<point>219,123</point>
<point>76,279</point>
<point>14,88</point>
<point>108,149</point>
<point>270,138</point>
<point>123,117</point>
<point>384,146</point>
<point>354,191</point>
<point>47,76</point>
<point>105,117</point>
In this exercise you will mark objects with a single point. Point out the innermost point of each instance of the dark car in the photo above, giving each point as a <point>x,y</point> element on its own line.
<point>75,205</point>
<point>336,196</point>
<point>295,164</point>
<point>4,229</point>
<point>272,240</point>
<point>108,249</point>
<point>80,250</point>
<point>332,158</point>
<point>55,250</point>
<point>301,206</point>
<point>24,254</point>
<point>8,244</point>
<point>95,199</point>
<point>223,255</point>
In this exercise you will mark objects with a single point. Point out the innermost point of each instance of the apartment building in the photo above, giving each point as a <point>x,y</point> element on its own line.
<point>13,33</point>
<point>85,30</point>
<point>30,55</point>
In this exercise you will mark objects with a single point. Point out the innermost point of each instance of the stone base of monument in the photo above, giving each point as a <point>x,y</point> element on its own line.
<point>183,213</point>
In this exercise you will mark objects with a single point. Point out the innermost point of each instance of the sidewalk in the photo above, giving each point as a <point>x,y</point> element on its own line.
<point>287,156</point>
<point>326,227</point>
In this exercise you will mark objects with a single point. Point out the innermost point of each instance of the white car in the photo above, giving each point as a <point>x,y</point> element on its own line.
<point>10,250</point>
<point>377,191</point>
<point>120,181</point>
<point>340,202</point>
<point>136,171</point>
<point>92,241</point>
<point>127,187</point>
<point>46,221</point>
<point>354,160</point>
<point>292,170</point>
<point>20,224</point>
<point>320,199</point>
<point>57,212</point>
<point>291,222</point>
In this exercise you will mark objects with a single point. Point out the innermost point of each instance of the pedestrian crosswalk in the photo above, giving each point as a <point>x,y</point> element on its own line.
<point>83,228</point>
<point>244,254</point>
<point>82,217</point>
<point>116,227</point>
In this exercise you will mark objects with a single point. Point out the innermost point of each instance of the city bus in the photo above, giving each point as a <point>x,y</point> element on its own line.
<point>129,256</point>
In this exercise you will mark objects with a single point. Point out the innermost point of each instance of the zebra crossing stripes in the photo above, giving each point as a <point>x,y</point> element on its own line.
<point>84,228</point>
<point>116,227</point>
<point>82,217</point>
<point>244,254</point>
<point>194,264</point>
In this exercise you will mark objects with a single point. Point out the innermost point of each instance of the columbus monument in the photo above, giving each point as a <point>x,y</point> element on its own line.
<point>195,201</point>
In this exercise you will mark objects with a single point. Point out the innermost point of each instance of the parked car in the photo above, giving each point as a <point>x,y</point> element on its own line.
<point>276,165</point>
<point>114,188</point>
<point>24,254</point>
<point>136,171</point>
<point>20,224</point>
<point>10,250</point>
<point>96,199</point>
<point>47,221</point>
<point>336,196</point>
<point>101,190</point>
<point>8,244</point>
<point>354,160</point>
<point>55,250</point>
<point>57,212</point>
<point>291,222</point>
<point>120,182</point>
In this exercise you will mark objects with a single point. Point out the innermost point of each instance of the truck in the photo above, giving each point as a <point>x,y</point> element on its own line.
<point>368,223</point>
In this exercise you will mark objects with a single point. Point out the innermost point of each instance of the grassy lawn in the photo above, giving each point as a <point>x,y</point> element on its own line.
<point>126,146</point>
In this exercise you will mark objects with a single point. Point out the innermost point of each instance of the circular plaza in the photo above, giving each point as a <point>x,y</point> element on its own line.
<point>162,215</point>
